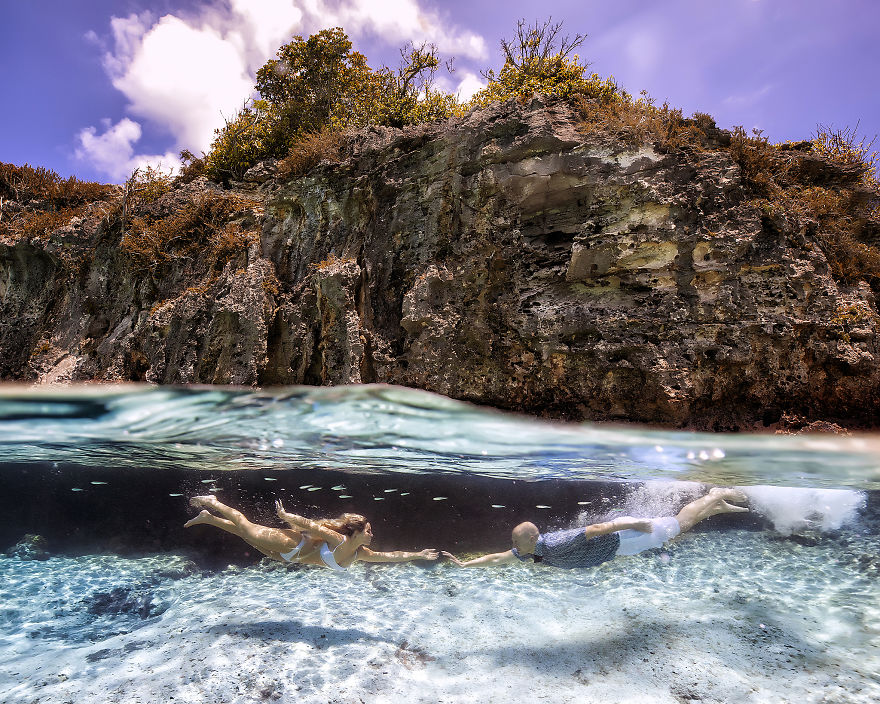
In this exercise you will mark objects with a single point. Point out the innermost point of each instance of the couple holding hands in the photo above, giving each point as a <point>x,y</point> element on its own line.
<point>339,542</point>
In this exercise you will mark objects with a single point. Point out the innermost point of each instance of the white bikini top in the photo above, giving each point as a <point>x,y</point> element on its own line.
<point>329,559</point>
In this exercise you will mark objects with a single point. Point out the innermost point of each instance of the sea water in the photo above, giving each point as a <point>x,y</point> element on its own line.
<point>125,605</point>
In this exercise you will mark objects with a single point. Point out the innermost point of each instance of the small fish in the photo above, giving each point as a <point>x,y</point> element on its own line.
<point>542,506</point>
<point>270,479</point>
<point>207,481</point>
<point>498,506</point>
<point>345,496</point>
<point>404,493</point>
<point>314,488</point>
<point>214,489</point>
<point>306,486</point>
<point>99,483</point>
<point>584,503</point>
<point>77,489</point>
<point>338,487</point>
<point>175,494</point>
<point>388,491</point>
<point>378,498</point>
<point>440,498</point>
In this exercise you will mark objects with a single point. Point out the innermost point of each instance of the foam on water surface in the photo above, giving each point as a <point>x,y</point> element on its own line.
<point>390,429</point>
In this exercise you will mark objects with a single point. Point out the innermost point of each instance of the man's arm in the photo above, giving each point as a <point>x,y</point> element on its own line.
<point>497,558</point>
<point>367,555</point>
<point>643,525</point>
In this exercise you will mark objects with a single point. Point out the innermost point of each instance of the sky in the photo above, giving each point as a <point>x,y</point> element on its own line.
<point>96,88</point>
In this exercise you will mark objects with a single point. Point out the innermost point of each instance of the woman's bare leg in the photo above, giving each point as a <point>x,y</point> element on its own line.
<point>212,502</point>
<point>713,503</point>
<point>211,520</point>
<point>263,538</point>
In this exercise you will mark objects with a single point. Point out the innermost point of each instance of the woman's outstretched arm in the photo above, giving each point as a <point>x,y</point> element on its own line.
<point>368,555</point>
<point>496,558</point>
<point>306,525</point>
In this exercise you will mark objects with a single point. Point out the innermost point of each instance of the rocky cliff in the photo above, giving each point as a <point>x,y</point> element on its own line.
<point>507,257</point>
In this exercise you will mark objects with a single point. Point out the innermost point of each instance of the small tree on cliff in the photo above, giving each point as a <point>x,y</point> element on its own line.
<point>317,84</point>
<point>540,59</point>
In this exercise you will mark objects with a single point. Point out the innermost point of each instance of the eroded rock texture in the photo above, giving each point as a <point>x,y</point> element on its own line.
<point>505,258</point>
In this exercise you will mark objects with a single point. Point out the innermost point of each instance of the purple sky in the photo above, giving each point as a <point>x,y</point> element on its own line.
<point>96,88</point>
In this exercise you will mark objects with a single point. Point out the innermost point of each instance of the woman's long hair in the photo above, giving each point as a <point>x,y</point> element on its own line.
<point>345,524</point>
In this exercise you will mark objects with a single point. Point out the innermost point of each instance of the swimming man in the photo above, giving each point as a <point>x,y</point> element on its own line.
<point>600,542</point>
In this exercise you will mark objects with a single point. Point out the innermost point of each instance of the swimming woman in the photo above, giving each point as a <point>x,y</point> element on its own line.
<point>332,542</point>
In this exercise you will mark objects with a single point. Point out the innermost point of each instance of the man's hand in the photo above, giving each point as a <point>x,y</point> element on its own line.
<point>429,554</point>
<point>643,525</point>
<point>279,509</point>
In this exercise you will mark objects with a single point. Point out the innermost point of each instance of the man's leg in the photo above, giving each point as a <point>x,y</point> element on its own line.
<point>713,503</point>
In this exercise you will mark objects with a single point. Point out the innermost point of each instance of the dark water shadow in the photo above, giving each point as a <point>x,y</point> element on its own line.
<point>294,632</point>
<point>650,640</point>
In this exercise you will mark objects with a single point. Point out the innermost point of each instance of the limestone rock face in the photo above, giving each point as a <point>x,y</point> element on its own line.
<point>505,258</point>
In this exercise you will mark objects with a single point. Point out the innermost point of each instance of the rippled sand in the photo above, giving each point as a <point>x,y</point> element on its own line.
<point>732,617</point>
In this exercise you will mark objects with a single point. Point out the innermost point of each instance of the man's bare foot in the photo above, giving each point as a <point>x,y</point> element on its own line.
<point>203,517</point>
<point>208,500</point>
<point>725,507</point>
<point>728,494</point>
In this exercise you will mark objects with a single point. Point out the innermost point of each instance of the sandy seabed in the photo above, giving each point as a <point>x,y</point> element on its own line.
<point>715,617</point>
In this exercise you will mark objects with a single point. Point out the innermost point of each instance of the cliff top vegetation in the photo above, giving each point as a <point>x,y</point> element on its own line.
<point>318,88</point>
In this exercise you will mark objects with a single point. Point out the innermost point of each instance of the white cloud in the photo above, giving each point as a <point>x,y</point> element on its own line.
<point>183,74</point>
<point>398,20</point>
<point>469,85</point>
<point>182,77</point>
<point>748,99</point>
<point>113,150</point>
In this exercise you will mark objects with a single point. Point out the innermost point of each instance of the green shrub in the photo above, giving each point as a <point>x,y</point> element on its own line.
<point>317,84</point>
<point>539,60</point>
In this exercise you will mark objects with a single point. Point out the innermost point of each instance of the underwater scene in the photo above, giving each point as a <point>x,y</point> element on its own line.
<point>106,596</point>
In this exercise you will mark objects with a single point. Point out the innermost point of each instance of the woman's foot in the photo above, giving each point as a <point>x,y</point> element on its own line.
<point>198,501</point>
<point>203,517</point>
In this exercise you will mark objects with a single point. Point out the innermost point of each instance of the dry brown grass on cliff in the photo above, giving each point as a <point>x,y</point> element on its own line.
<point>841,196</point>
<point>203,230</point>
<point>35,201</point>
<point>27,183</point>
<point>310,151</point>
<point>634,122</point>
<point>841,210</point>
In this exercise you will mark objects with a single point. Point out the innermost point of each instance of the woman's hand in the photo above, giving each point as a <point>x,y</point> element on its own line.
<point>279,509</point>
<point>452,558</point>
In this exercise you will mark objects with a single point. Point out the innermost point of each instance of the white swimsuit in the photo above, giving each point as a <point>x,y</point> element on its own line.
<point>329,559</point>
<point>290,556</point>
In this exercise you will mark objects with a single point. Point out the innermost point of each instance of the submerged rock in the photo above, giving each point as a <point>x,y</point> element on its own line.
<point>507,257</point>
<point>134,601</point>
<point>30,547</point>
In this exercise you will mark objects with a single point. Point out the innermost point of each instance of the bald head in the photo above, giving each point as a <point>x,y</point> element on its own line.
<point>525,537</point>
